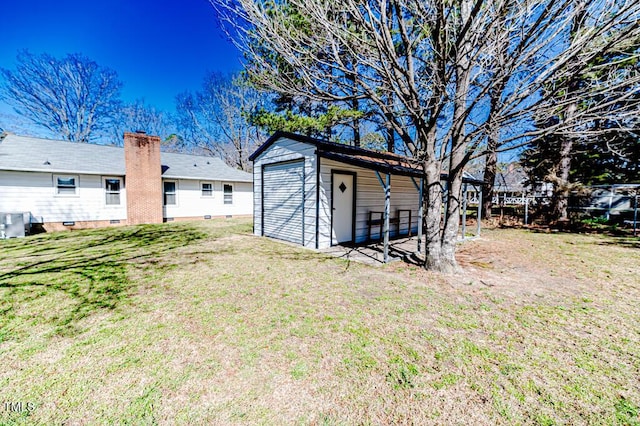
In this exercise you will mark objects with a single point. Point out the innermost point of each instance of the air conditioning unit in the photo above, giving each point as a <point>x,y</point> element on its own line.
<point>14,225</point>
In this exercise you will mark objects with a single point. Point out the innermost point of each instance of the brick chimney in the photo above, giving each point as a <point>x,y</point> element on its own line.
<point>143,179</point>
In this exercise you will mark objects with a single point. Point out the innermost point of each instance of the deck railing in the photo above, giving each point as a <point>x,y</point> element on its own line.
<point>500,200</point>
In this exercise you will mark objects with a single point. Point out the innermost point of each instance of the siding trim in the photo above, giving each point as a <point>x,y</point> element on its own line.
<point>317,200</point>
<point>353,208</point>
<point>261,200</point>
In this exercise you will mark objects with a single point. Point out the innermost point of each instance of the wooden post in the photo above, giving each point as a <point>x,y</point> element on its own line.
<point>526,210</point>
<point>610,202</point>
<point>386,185</point>
<point>421,215</point>
<point>387,211</point>
<point>635,217</point>
<point>446,197</point>
<point>479,216</point>
<point>464,211</point>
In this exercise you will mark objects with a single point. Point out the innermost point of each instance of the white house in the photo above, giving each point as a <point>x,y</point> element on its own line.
<point>67,185</point>
<point>614,202</point>
<point>317,193</point>
<point>510,187</point>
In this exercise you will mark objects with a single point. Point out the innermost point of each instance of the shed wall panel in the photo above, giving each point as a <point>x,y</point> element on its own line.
<point>369,197</point>
<point>285,150</point>
<point>283,200</point>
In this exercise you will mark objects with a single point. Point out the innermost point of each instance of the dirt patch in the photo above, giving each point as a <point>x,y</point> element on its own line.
<point>528,265</point>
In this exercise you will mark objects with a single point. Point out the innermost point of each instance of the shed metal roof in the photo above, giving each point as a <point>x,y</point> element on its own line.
<point>22,153</point>
<point>384,162</point>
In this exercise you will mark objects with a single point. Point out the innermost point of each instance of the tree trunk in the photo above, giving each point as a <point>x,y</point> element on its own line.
<point>489,178</point>
<point>452,223</point>
<point>561,196</point>
<point>355,106</point>
<point>492,157</point>
<point>457,154</point>
<point>390,139</point>
<point>390,133</point>
<point>562,183</point>
<point>454,203</point>
<point>432,206</point>
<point>562,186</point>
<point>356,133</point>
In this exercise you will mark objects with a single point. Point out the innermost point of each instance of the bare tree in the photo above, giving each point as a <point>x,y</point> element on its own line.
<point>441,63</point>
<point>72,97</point>
<point>140,116</point>
<point>622,64</point>
<point>215,119</point>
<point>14,123</point>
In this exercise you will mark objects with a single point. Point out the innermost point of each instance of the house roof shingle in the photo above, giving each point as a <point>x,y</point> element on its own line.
<point>22,153</point>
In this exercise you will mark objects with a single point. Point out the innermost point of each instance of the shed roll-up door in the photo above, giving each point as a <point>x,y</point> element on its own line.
<point>283,201</point>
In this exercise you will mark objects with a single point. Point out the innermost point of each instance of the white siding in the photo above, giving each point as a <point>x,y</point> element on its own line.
<point>288,150</point>
<point>191,203</point>
<point>283,205</point>
<point>369,197</point>
<point>602,198</point>
<point>35,192</point>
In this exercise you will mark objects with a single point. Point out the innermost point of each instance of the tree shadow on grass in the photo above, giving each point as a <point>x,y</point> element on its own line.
<point>89,268</point>
<point>629,242</point>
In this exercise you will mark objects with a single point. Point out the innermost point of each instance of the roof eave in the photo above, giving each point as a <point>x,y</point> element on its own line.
<point>207,178</point>
<point>277,135</point>
<point>77,172</point>
<point>325,146</point>
<point>384,168</point>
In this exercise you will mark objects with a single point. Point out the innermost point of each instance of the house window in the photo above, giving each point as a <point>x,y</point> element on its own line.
<point>228,193</point>
<point>169,190</point>
<point>112,191</point>
<point>207,190</point>
<point>66,185</point>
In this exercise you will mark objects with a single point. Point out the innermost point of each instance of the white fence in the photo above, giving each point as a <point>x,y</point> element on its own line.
<point>500,200</point>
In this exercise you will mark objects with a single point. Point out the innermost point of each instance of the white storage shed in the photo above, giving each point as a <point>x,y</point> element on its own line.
<point>318,193</point>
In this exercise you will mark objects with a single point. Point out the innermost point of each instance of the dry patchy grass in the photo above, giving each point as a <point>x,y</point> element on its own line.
<point>202,323</point>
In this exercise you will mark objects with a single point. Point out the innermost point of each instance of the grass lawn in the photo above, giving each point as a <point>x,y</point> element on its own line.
<point>202,323</point>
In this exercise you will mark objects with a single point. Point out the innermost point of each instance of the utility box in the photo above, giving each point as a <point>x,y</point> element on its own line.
<point>12,225</point>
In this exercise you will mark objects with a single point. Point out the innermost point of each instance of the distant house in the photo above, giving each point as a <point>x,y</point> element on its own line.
<point>510,187</point>
<point>67,185</point>
<point>615,201</point>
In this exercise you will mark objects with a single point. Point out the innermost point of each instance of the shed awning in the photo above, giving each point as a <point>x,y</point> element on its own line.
<point>384,162</point>
<point>392,166</point>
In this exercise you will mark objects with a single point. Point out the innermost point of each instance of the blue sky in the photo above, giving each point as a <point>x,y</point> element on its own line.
<point>158,48</point>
